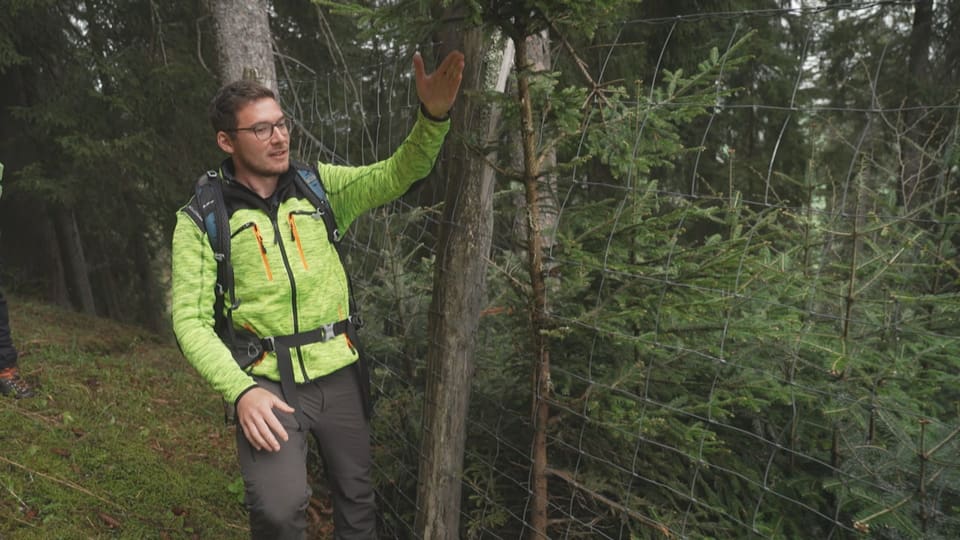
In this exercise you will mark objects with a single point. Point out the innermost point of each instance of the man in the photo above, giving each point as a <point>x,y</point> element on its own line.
<point>291,290</point>
<point>11,384</point>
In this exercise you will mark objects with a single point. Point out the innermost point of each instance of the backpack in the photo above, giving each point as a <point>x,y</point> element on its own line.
<point>209,212</point>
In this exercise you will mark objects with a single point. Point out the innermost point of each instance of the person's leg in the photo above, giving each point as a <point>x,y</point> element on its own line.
<point>8,353</point>
<point>276,489</point>
<point>10,381</point>
<point>343,435</point>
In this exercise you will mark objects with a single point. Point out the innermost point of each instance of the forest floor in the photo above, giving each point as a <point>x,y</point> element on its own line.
<point>123,440</point>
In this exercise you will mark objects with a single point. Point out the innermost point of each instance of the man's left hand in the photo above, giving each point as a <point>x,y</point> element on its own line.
<point>438,90</point>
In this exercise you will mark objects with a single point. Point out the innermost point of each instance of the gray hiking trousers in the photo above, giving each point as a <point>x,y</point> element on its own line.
<point>8,353</point>
<point>276,490</point>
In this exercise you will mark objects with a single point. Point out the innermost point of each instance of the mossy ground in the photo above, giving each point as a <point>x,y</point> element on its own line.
<point>123,440</point>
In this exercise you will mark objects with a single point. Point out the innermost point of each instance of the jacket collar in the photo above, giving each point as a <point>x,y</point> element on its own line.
<point>228,173</point>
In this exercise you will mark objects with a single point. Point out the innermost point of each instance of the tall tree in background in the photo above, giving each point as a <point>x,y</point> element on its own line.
<point>916,169</point>
<point>35,35</point>
<point>98,97</point>
<point>244,43</point>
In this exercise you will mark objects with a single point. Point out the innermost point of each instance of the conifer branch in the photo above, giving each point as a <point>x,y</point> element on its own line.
<point>569,479</point>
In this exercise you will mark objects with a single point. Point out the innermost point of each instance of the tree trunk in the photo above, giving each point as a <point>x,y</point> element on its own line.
<point>538,57</point>
<point>463,247</point>
<point>57,291</point>
<point>538,303</point>
<point>76,262</point>
<point>109,288</point>
<point>913,153</point>
<point>151,312</point>
<point>243,35</point>
<point>952,42</point>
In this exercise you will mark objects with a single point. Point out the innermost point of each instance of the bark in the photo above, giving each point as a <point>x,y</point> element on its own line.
<point>547,202</point>
<point>243,40</point>
<point>76,262</point>
<point>57,291</point>
<point>914,144</point>
<point>459,289</point>
<point>952,49</point>
<point>108,287</point>
<point>541,360</point>
<point>537,215</point>
<point>151,312</point>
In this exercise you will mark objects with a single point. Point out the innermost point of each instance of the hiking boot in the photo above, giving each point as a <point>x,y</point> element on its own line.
<point>12,384</point>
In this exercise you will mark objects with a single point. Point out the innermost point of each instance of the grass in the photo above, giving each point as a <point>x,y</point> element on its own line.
<point>124,440</point>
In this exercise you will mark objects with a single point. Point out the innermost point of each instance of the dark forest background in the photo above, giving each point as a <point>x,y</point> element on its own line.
<point>720,283</point>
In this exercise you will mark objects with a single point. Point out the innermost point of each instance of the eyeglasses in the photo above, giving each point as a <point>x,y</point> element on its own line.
<point>264,130</point>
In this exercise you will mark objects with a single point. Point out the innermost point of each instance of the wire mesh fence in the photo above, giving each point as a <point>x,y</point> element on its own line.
<point>751,281</point>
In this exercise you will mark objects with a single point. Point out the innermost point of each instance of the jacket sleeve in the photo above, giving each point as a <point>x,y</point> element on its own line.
<point>193,279</point>
<point>354,190</point>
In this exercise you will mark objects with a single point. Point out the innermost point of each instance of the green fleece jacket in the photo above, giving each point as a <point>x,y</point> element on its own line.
<point>288,276</point>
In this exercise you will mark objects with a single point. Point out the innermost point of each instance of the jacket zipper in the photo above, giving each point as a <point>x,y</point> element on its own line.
<point>293,283</point>
<point>295,235</point>
<point>263,249</point>
<point>316,215</point>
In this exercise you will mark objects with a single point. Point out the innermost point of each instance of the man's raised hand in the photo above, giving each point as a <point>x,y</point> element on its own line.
<point>438,90</point>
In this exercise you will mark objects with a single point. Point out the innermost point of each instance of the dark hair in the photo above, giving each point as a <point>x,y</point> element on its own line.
<point>231,98</point>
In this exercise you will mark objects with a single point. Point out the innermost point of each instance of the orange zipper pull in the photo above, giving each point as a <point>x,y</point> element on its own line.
<point>263,252</point>
<point>296,238</point>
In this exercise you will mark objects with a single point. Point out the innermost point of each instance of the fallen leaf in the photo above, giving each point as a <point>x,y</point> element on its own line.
<point>110,521</point>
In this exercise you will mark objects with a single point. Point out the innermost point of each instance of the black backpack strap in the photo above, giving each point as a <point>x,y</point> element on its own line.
<point>308,179</point>
<point>212,210</point>
<point>363,370</point>
<point>208,210</point>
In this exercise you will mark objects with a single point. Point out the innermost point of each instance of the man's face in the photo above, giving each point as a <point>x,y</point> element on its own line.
<point>252,156</point>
